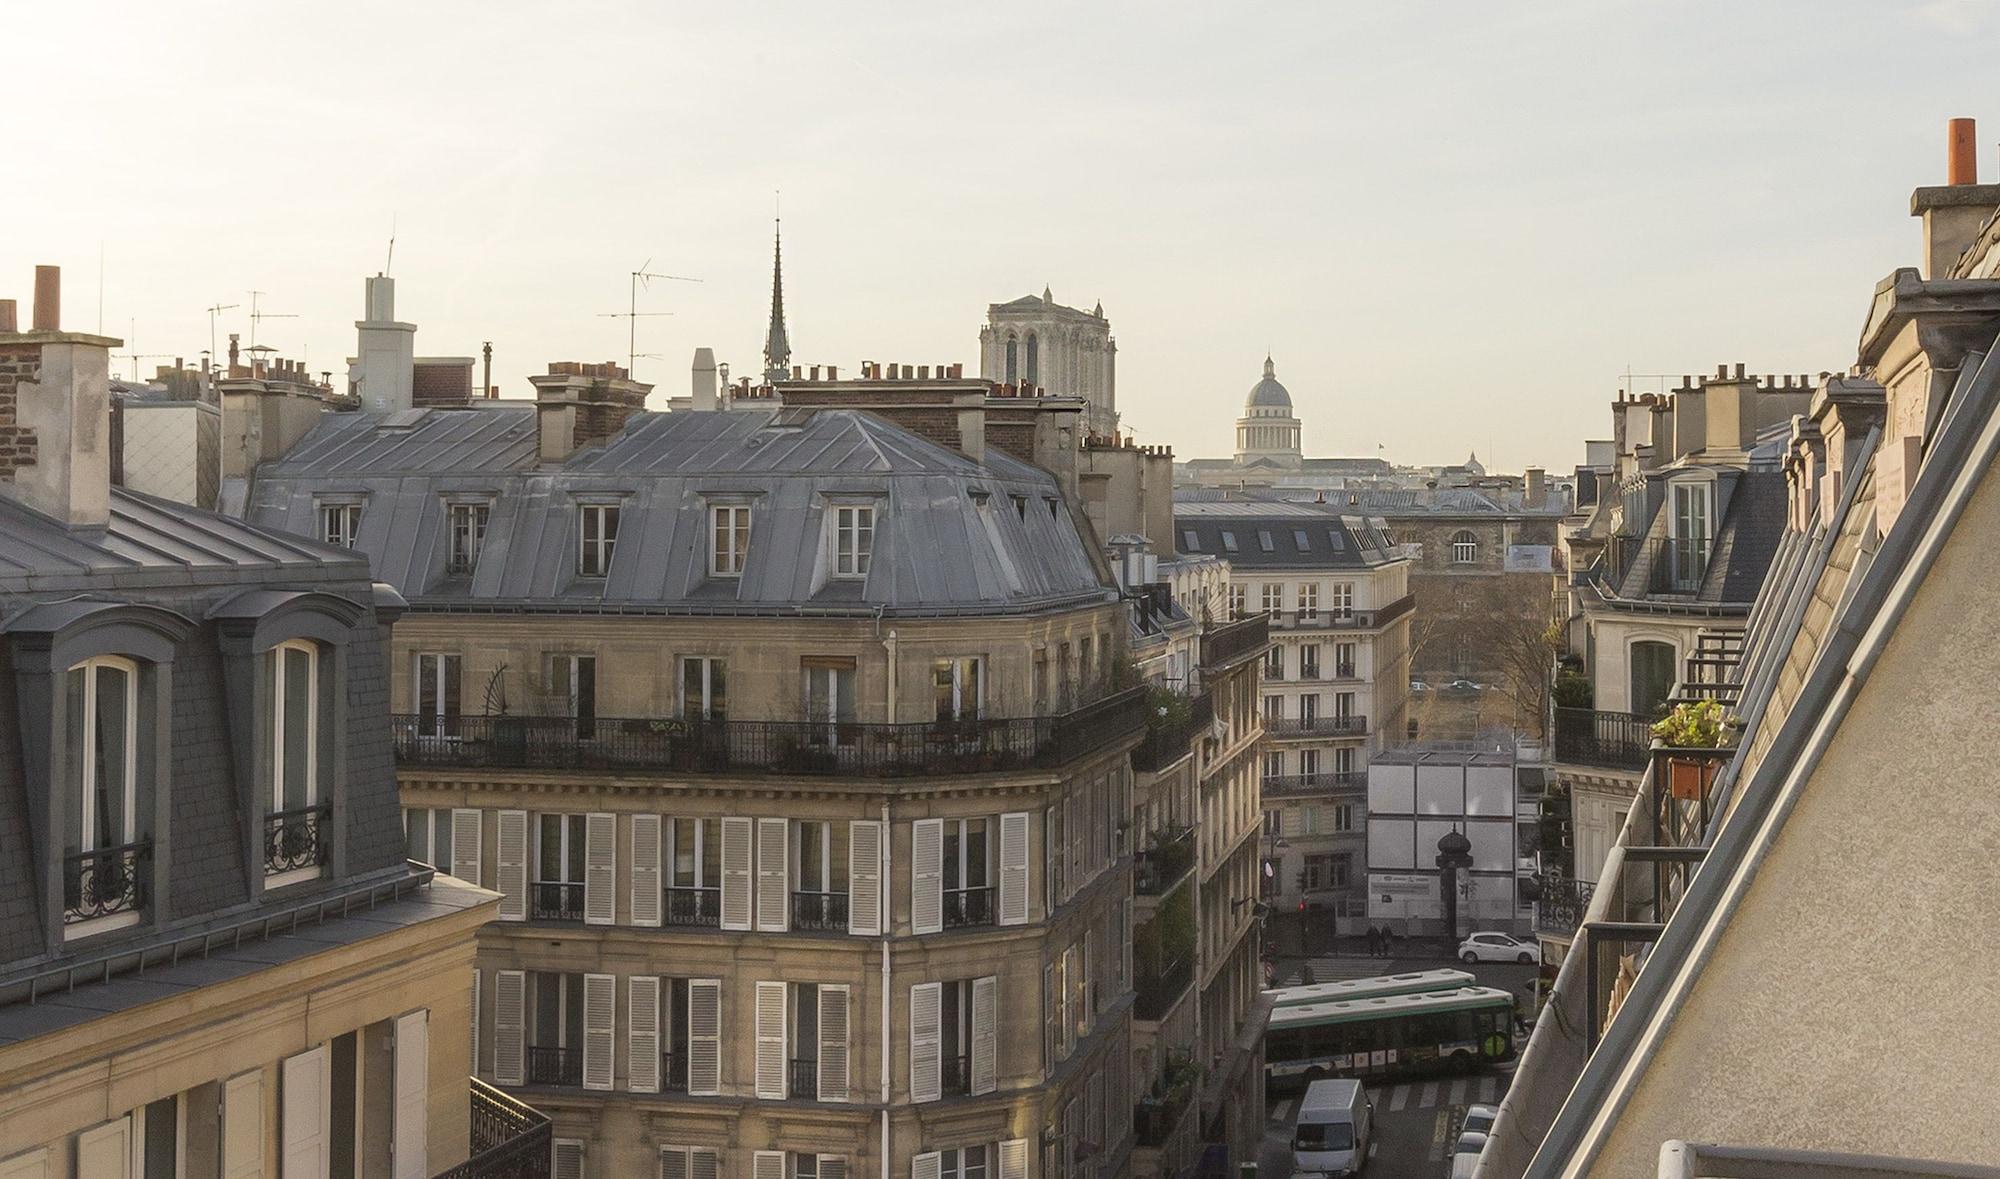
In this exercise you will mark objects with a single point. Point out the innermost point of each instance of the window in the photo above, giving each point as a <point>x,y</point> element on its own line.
<point>1264,541</point>
<point>1190,541</point>
<point>854,539</point>
<point>1274,663</point>
<point>339,524</point>
<point>557,892</point>
<point>819,874</point>
<point>467,525</point>
<point>1343,705</point>
<point>105,739</point>
<point>959,685</point>
<point>1309,762</point>
<point>1300,540</point>
<point>1274,708</point>
<point>1308,601</point>
<point>555,1029</point>
<point>1340,602</point>
<point>1034,359</point>
<point>1274,766</point>
<point>300,750</point>
<point>1336,538</point>
<point>436,692</point>
<point>704,688</point>
<point>575,683</point>
<point>694,880</point>
<point>1228,541</point>
<point>1309,661</point>
<point>1464,547</point>
<point>1335,871</point>
<point>967,1162</point>
<point>1343,660</point>
<point>1652,677</point>
<point>1273,597</point>
<point>1309,708</point>
<point>1235,602</point>
<point>1020,506</point>
<point>1343,760</point>
<point>1013,361</point>
<point>729,539</point>
<point>596,539</point>
<point>427,836</point>
<point>829,701</point>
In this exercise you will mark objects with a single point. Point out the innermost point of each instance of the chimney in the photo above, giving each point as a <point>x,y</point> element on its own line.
<point>7,317</point>
<point>702,394</point>
<point>234,352</point>
<point>1954,212</point>
<point>384,370</point>
<point>581,405</point>
<point>1538,487</point>
<point>55,413</point>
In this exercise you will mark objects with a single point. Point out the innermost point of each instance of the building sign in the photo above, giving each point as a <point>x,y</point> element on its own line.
<point>1530,558</point>
<point>1402,894</point>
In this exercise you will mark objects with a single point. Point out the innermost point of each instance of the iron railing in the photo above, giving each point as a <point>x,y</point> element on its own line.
<point>555,900</point>
<point>804,1076</point>
<point>1561,906</point>
<point>965,907</point>
<point>105,880</point>
<point>1160,991</point>
<point>1167,742</point>
<point>1615,740</point>
<point>1344,618</point>
<point>841,749</point>
<point>1323,783</point>
<point>673,1073</point>
<point>1160,867</point>
<point>1679,563</point>
<point>296,838</point>
<point>820,912</point>
<point>1317,726</point>
<point>1223,645</point>
<point>510,1140</point>
<point>555,1066</point>
<point>955,1075</point>
<point>694,906</point>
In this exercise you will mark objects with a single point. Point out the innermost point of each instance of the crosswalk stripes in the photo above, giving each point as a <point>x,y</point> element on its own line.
<point>1282,1112</point>
<point>1430,1096</point>
<point>1489,1090</point>
<point>1399,1098</point>
<point>1457,1093</point>
<point>1415,1095</point>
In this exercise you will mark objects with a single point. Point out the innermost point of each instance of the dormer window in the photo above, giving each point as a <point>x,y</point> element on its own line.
<point>340,523</point>
<point>596,538</point>
<point>854,539</point>
<point>466,524</point>
<point>300,749</point>
<point>729,545</point>
<point>103,870</point>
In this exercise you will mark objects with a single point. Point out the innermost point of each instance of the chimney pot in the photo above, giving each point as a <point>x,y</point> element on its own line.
<point>908,371</point>
<point>815,372</point>
<point>832,372</point>
<point>1739,370</point>
<point>8,322</point>
<point>923,372</point>
<point>48,298</point>
<point>1721,372</point>
<point>1962,153</point>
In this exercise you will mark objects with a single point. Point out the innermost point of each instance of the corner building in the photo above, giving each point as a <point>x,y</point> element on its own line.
<point>798,746</point>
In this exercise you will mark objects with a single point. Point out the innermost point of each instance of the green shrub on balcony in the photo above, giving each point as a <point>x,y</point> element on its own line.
<point>1699,724</point>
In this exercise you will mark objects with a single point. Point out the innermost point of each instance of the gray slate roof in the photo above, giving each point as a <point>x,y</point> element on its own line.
<point>1268,535</point>
<point>936,548</point>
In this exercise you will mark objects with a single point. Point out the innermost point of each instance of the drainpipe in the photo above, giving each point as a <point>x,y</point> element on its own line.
<point>884,913</point>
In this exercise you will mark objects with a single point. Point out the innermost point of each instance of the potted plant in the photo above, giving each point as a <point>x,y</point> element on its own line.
<point>1699,724</point>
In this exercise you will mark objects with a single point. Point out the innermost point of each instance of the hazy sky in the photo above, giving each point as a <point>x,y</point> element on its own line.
<point>1453,225</point>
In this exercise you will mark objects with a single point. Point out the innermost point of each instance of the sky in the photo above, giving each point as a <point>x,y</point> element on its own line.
<point>1454,226</point>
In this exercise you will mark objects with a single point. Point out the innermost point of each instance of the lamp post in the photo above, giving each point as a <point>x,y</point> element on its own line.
<point>1454,854</point>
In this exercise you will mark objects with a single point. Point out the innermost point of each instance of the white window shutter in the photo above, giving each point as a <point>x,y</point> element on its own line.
<point>985,1042</point>
<point>566,1159</point>
<point>1014,1159</point>
<point>600,1028</point>
<point>243,1126</point>
<point>929,1165</point>
<point>673,1162</point>
<point>927,875</point>
<point>767,1164</point>
<point>864,877</point>
<point>736,873</point>
<point>32,1165</point>
<point>703,1163</point>
<point>106,1150</point>
<point>774,899</point>
<point>474,1058</point>
<point>510,1010</point>
<point>833,1166</point>
<point>1014,907</point>
<point>832,1043</point>
<point>704,1036</point>
<point>465,837</point>
<point>303,1116</point>
<point>771,1040</point>
<point>642,1043</point>
<point>412,1113</point>
<point>600,869</point>
<point>646,895</point>
<point>926,1041</point>
<point>511,872</point>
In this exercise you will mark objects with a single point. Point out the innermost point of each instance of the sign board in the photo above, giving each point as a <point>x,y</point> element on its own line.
<point>1530,558</point>
<point>1399,894</point>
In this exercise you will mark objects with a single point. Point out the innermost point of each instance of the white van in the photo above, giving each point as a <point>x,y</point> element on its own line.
<point>1333,1129</point>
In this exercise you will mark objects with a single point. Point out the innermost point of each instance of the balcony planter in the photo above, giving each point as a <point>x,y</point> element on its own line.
<point>1696,727</point>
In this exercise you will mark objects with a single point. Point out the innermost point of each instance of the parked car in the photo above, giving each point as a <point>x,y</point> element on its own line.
<point>1463,685</point>
<point>1479,1119</point>
<point>1465,1155</point>
<point>1419,687</point>
<point>1493,946</point>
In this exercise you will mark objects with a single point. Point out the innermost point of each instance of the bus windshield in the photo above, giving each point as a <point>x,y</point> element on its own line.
<point>1325,1136</point>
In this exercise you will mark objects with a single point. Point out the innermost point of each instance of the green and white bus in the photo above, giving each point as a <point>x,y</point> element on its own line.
<point>1390,1035</point>
<point>1410,983</point>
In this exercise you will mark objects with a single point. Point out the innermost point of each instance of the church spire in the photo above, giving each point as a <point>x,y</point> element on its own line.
<point>777,346</point>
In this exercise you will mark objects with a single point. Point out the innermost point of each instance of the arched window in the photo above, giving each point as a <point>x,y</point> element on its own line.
<point>1464,547</point>
<point>1012,365</point>
<point>106,799</point>
<point>1034,359</point>
<point>301,750</point>
<point>1652,676</point>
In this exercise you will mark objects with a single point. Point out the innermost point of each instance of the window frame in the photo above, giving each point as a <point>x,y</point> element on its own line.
<point>594,553</point>
<point>463,558</point>
<point>348,513</point>
<point>737,551</point>
<point>1464,547</point>
<point>853,540</point>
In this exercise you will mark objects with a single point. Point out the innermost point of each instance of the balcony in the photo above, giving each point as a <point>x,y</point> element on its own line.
<point>1338,618</point>
<point>1561,906</point>
<point>694,907</point>
<point>1224,645</point>
<point>1678,564</point>
<point>510,1140</point>
<point>1159,1113</point>
<point>673,1073</point>
<point>1161,867</point>
<point>1170,728</point>
<point>1158,992</point>
<point>1295,785</point>
<point>965,908</point>
<point>105,881</point>
<point>955,1075</point>
<point>830,749</point>
<point>296,839</point>
<point>819,912</point>
<point>555,1066</point>
<point>1309,671</point>
<point>803,1077</point>
<point>1612,740</point>
<point>1316,726</point>
<point>552,900</point>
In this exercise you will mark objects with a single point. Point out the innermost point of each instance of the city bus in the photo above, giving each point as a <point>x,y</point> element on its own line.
<point>1389,1035</point>
<point>1413,982</point>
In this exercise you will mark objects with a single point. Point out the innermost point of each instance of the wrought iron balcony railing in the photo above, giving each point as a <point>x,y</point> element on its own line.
<point>1615,740</point>
<point>694,906</point>
<point>1223,645</point>
<point>555,900</point>
<point>955,1075</point>
<point>820,911</point>
<point>966,907</point>
<point>673,1073</point>
<point>105,880</point>
<point>1162,866</point>
<point>804,1078</point>
<point>833,748</point>
<point>1679,564</point>
<point>555,1066</point>
<point>1317,726</point>
<point>1560,907</point>
<point>1322,783</point>
<point>1167,742</point>
<point>296,838</point>
<point>510,1140</point>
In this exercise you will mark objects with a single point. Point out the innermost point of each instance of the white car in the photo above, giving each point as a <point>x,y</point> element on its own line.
<point>1491,946</point>
<point>1465,1155</point>
<point>1478,1119</point>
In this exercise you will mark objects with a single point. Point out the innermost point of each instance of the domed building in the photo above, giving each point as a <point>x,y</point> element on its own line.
<point>1268,433</point>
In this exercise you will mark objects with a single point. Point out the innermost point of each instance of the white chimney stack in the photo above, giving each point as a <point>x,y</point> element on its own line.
<point>384,374</point>
<point>704,380</point>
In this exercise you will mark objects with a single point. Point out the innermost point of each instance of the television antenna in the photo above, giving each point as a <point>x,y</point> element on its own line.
<point>256,315</point>
<point>631,314</point>
<point>214,311</point>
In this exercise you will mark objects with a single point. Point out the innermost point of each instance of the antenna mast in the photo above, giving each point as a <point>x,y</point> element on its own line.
<point>631,314</point>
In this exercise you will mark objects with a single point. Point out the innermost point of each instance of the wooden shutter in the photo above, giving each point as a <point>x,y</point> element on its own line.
<point>566,1159</point>
<point>864,877</point>
<point>412,1112</point>
<point>1014,907</point>
<point>600,869</point>
<point>303,1116</point>
<point>927,1166</point>
<point>926,1041</point>
<point>510,1012</point>
<point>243,1126</point>
<point>703,1163</point>
<point>1014,1159</point>
<point>105,1151</point>
<point>985,1043</point>
<point>833,1166</point>
<point>600,1028</point>
<point>927,875</point>
<point>774,900</point>
<point>465,836</point>
<point>673,1162</point>
<point>704,1036</point>
<point>832,1043</point>
<point>510,874</point>
<point>771,1040</point>
<point>32,1165</point>
<point>642,1039</point>
<point>736,873</point>
<point>767,1164</point>
<point>646,895</point>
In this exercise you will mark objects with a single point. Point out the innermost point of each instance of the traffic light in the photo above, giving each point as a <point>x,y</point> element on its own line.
<point>1302,883</point>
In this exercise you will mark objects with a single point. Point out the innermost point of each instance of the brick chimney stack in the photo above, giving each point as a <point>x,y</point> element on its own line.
<point>55,412</point>
<point>1954,212</point>
<point>582,405</point>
